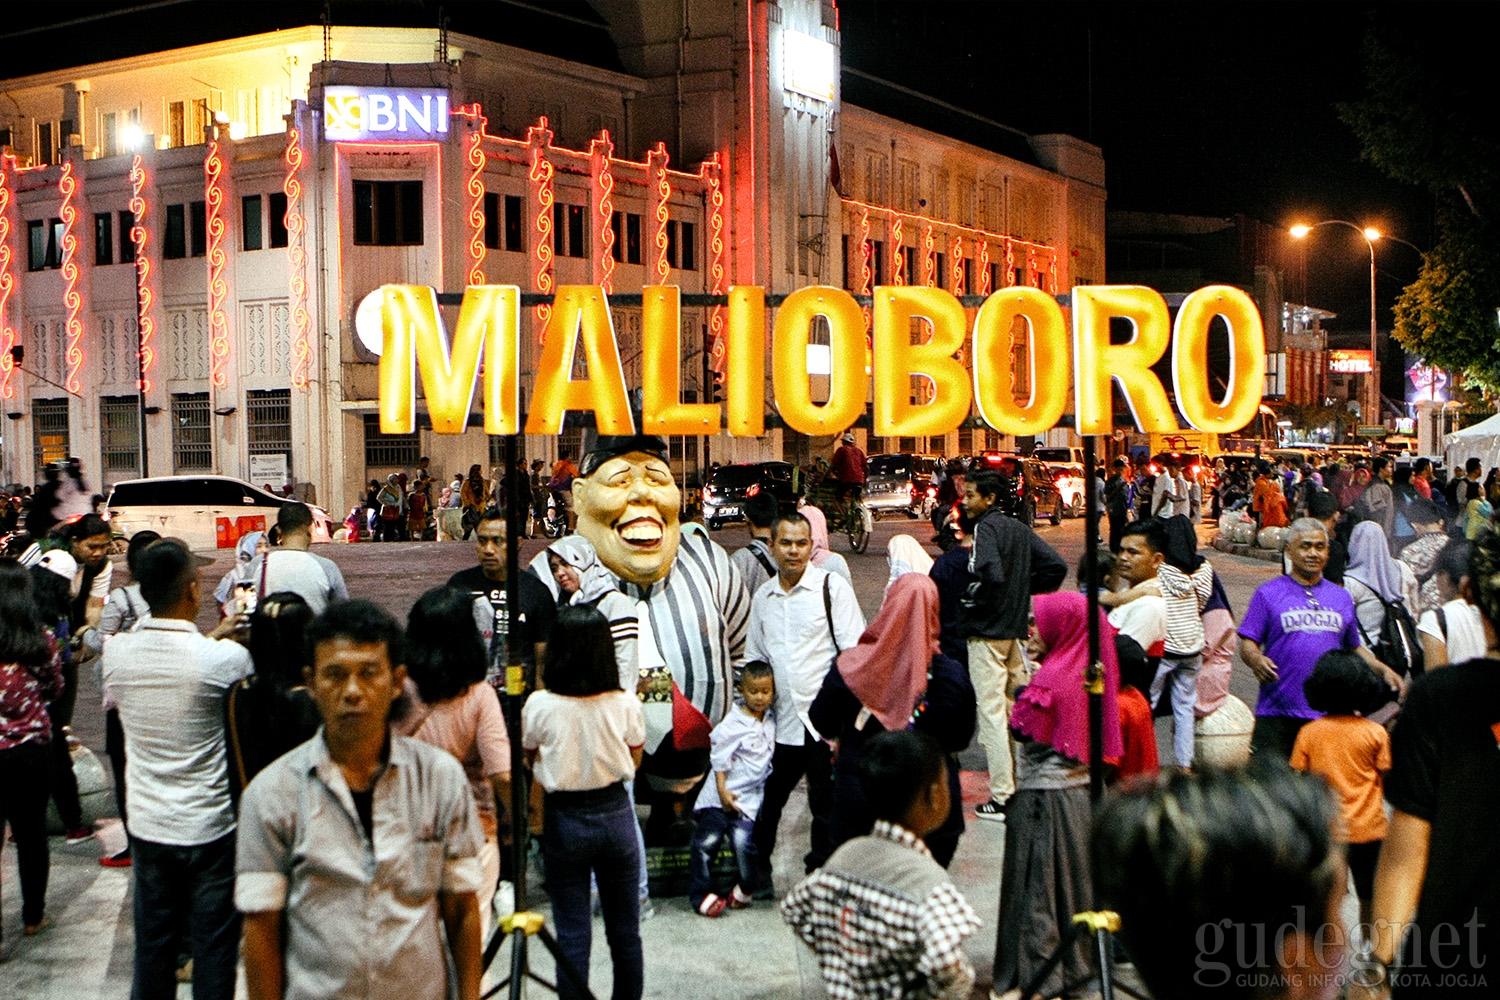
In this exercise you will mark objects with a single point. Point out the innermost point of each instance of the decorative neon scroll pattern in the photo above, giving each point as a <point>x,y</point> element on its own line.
<point>145,298</point>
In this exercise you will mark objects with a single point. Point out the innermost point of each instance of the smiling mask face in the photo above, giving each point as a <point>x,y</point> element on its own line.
<point>628,509</point>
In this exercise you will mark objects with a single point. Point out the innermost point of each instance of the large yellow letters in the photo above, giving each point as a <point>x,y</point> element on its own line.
<point>580,313</point>
<point>1247,359</point>
<point>898,359</point>
<point>662,412</point>
<point>846,381</point>
<point>1096,360</point>
<point>993,365</point>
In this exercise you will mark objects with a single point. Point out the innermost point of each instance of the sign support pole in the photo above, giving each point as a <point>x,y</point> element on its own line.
<point>1094,676</point>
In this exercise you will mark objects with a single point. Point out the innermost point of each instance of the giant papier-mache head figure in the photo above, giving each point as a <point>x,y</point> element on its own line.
<point>627,505</point>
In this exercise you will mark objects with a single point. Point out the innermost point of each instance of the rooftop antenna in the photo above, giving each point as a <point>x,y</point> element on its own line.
<point>442,35</point>
<point>327,31</point>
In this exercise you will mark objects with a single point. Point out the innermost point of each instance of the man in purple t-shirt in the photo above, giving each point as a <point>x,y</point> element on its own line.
<point>1292,620</point>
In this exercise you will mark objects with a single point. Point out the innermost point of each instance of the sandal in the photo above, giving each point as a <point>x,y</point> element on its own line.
<point>32,930</point>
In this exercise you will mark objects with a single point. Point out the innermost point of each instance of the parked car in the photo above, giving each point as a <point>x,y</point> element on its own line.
<point>207,512</point>
<point>727,487</point>
<point>1069,479</point>
<point>1059,456</point>
<point>900,484</point>
<point>1035,491</point>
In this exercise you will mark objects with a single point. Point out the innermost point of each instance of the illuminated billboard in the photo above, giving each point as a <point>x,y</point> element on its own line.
<point>1351,362</point>
<point>376,113</point>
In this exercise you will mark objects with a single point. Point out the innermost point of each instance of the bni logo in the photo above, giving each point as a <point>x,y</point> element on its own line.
<point>366,113</point>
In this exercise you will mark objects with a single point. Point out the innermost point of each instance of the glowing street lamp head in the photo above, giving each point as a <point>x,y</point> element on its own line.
<point>1298,231</point>
<point>132,136</point>
<point>1371,233</point>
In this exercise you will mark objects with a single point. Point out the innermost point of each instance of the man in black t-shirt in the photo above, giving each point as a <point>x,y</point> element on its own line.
<point>487,583</point>
<point>1439,859</point>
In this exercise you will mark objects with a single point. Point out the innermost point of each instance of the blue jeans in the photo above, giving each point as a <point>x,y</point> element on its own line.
<point>590,833</point>
<point>177,887</point>
<point>710,826</point>
<point>1179,675</point>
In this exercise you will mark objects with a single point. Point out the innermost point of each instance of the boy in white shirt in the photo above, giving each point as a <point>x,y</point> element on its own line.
<point>740,754</point>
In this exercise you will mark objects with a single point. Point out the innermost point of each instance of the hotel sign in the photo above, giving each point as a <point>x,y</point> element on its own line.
<point>1351,362</point>
<point>384,113</point>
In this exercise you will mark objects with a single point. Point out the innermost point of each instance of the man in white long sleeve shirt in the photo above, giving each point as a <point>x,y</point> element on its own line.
<point>800,620</point>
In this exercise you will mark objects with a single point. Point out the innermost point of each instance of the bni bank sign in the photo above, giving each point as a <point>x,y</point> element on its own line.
<point>365,113</point>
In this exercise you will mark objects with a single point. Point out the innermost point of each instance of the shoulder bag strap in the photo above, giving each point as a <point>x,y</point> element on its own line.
<point>265,561</point>
<point>828,613</point>
<point>236,752</point>
<point>1442,624</point>
<point>763,559</point>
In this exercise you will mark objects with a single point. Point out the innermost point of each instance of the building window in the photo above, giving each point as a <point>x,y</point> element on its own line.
<point>627,226</point>
<point>513,239</point>
<point>192,444</point>
<point>174,242</point>
<point>250,222</point>
<point>277,205</point>
<point>127,241</point>
<point>994,277</point>
<point>44,244</point>
<point>909,255</point>
<point>877,263</point>
<point>45,151</point>
<point>491,220</point>
<point>198,216</point>
<point>967,284</point>
<point>844,260</point>
<point>176,124</point>
<point>268,422</point>
<point>389,450</point>
<point>49,432</point>
<point>109,123</point>
<point>672,242</point>
<point>568,231</point>
<point>104,238</point>
<point>5,137</point>
<point>941,277</point>
<point>120,435</point>
<point>387,213</point>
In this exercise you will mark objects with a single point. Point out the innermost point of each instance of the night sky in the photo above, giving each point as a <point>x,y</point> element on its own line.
<point>1207,108</point>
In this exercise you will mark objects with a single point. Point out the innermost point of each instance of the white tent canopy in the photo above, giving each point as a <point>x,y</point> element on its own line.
<point>1480,441</point>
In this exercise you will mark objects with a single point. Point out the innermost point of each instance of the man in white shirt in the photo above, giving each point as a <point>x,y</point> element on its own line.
<point>169,684</point>
<point>1140,611</point>
<point>292,567</point>
<point>1170,491</point>
<point>800,620</point>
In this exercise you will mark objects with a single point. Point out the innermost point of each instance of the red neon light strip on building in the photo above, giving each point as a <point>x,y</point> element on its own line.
<point>929,258</point>
<point>144,297</point>
<point>958,264</point>
<point>1052,275</point>
<point>475,188</point>
<point>67,186</point>
<point>218,289</point>
<point>865,272</point>
<point>662,190</point>
<point>713,171</point>
<point>604,180</point>
<point>540,176</point>
<point>296,259</point>
<point>985,285</point>
<point>898,258</point>
<point>7,280</point>
<point>1033,276</point>
<point>1010,262</point>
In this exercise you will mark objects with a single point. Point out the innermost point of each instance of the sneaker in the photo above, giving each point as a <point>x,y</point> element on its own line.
<point>79,835</point>
<point>121,860</point>
<point>739,899</point>
<point>993,809</point>
<point>712,905</point>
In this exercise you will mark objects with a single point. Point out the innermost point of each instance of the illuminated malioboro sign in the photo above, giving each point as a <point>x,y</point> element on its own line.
<point>366,113</point>
<point>414,337</point>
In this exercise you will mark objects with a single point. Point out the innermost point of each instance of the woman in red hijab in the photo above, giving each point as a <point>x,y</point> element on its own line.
<point>895,678</point>
<point>1046,874</point>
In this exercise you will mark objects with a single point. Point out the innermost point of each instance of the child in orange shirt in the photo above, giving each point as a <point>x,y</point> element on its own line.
<point>1352,754</point>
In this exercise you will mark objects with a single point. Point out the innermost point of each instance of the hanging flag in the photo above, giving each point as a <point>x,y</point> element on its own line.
<point>834,177</point>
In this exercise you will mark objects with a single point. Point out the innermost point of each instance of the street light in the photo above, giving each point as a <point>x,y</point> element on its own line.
<point>1370,234</point>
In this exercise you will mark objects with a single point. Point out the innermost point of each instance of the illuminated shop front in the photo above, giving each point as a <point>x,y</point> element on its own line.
<point>239,226</point>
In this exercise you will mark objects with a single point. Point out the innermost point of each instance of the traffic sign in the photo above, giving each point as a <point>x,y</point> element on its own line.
<point>1375,431</point>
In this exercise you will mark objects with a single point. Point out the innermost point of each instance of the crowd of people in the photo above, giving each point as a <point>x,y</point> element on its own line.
<point>326,792</point>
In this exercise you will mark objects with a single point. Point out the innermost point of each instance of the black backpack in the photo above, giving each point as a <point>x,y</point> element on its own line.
<point>1398,646</point>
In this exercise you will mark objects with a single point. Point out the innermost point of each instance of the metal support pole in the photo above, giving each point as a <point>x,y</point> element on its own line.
<point>140,385</point>
<point>1095,672</point>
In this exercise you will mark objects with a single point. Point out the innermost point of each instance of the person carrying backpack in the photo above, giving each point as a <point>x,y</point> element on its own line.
<point>1384,592</point>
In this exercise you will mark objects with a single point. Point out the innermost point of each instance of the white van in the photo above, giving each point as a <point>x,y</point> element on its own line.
<point>207,512</point>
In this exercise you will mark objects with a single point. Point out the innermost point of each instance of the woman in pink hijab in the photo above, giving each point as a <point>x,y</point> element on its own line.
<point>822,555</point>
<point>1046,873</point>
<point>895,678</point>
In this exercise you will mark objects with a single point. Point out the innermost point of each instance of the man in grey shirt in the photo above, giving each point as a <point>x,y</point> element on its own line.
<point>754,561</point>
<point>291,566</point>
<point>355,845</point>
<point>169,684</point>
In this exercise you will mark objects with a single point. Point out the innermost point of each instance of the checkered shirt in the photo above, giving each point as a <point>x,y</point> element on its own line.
<point>874,942</point>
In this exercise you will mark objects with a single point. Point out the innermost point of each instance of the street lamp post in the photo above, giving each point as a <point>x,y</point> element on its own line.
<point>1370,234</point>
